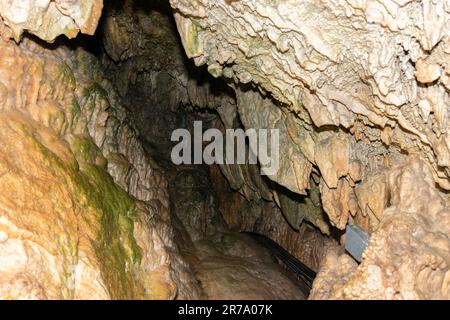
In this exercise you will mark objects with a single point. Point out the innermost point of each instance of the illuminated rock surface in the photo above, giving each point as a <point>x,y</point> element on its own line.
<point>357,90</point>
<point>49,18</point>
<point>92,207</point>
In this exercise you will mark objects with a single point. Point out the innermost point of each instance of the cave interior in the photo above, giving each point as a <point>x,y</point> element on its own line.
<point>94,206</point>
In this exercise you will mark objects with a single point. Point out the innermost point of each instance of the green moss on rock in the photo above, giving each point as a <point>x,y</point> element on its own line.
<point>107,215</point>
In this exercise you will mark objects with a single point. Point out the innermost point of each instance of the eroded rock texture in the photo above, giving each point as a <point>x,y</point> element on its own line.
<point>167,92</point>
<point>357,90</point>
<point>232,266</point>
<point>91,208</point>
<point>408,256</point>
<point>83,211</point>
<point>48,18</point>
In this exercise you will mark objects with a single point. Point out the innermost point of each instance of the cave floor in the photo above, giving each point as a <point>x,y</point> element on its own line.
<point>233,266</point>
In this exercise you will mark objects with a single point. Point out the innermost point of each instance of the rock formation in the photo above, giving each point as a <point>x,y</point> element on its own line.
<point>84,211</point>
<point>92,206</point>
<point>356,89</point>
<point>49,18</point>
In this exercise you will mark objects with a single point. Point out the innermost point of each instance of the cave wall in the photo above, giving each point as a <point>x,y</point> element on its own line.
<point>84,210</point>
<point>167,92</point>
<point>48,19</point>
<point>359,91</point>
<point>100,148</point>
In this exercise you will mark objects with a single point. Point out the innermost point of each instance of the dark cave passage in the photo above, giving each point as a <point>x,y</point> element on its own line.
<point>210,205</point>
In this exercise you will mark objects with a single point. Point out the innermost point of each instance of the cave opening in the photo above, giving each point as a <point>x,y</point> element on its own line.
<point>211,206</point>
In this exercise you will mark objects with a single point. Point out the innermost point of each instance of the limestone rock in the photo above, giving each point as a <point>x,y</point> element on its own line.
<point>238,269</point>
<point>336,202</point>
<point>69,230</point>
<point>408,253</point>
<point>311,68</point>
<point>427,73</point>
<point>332,157</point>
<point>357,89</point>
<point>48,19</point>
